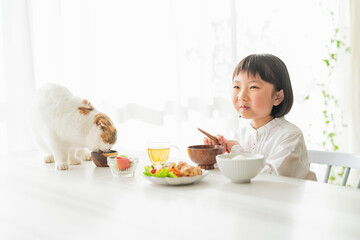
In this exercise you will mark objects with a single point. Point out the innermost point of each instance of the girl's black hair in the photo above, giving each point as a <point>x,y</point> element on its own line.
<point>273,70</point>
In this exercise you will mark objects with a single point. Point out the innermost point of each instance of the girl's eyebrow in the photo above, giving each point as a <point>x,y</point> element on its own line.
<point>250,81</point>
<point>254,80</point>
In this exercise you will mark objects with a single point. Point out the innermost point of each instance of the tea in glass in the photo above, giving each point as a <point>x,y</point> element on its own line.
<point>158,155</point>
<point>159,152</point>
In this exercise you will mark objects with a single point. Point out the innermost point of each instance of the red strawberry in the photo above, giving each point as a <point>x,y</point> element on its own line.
<point>123,163</point>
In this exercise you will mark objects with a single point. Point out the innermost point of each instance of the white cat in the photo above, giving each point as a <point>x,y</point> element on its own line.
<point>61,122</point>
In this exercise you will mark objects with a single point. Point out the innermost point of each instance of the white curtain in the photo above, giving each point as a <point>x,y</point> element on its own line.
<point>159,68</point>
<point>17,75</point>
<point>355,74</point>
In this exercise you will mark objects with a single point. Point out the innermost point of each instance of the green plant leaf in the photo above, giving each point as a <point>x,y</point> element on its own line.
<point>338,43</point>
<point>327,62</point>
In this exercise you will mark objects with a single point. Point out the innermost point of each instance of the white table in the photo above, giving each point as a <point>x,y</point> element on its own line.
<point>86,202</point>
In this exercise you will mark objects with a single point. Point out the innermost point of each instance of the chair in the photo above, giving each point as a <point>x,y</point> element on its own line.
<point>347,160</point>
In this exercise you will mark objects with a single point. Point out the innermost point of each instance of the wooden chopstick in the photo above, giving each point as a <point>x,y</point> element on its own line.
<point>210,136</point>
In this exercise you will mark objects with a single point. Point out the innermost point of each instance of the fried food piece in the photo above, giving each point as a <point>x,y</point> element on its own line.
<point>175,171</point>
<point>170,165</point>
<point>180,165</point>
<point>190,171</point>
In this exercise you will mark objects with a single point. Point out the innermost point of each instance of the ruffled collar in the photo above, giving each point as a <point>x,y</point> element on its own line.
<point>267,126</point>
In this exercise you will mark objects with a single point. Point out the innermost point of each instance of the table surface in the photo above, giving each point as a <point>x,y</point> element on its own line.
<point>87,202</point>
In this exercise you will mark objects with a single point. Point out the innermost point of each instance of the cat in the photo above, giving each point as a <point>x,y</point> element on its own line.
<point>63,126</point>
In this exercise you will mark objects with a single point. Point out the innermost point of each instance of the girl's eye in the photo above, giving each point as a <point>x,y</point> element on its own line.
<point>253,87</point>
<point>236,87</point>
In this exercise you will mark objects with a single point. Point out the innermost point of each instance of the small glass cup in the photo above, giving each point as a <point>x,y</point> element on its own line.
<point>159,151</point>
<point>129,172</point>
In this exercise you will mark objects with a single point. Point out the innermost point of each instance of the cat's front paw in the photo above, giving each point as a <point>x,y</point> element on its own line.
<point>83,154</point>
<point>75,160</point>
<point>86,157</point>
<point>62,166</point>
<point>49,159</point>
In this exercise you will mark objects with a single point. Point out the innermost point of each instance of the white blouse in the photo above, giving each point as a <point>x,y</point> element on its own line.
<point>282,144</point>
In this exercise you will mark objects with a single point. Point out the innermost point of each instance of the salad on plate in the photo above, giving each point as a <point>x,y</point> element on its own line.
<point>170,173</point>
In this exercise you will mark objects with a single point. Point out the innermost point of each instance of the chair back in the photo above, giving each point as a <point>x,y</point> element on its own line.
<point>347,160</point>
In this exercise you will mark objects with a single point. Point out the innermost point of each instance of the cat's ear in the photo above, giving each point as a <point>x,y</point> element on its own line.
<point>102,124</point>
<point>108,128</point>
<point>87,108</point>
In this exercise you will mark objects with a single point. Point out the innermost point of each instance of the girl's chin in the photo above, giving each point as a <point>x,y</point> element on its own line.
<point>244,116</point>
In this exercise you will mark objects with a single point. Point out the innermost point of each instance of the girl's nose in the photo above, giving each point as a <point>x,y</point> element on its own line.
<point>242,95</point>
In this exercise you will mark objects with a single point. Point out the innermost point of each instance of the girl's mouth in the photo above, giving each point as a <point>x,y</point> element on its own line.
<point>244,107</point>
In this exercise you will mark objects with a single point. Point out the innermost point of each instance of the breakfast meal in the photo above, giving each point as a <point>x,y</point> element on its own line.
<point>172,170</point>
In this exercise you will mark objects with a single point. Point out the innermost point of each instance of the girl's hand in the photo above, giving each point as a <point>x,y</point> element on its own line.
<point>227,144</point>
<point>208,141</point>
<point>230,144</point>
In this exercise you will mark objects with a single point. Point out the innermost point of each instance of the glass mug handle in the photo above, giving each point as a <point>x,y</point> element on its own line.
<point>171,152</point>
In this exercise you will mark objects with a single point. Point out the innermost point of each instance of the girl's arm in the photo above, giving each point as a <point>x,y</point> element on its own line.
<point>289,158</point>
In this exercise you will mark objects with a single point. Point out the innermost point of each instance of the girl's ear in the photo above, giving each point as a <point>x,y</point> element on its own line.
<point>279,97</point>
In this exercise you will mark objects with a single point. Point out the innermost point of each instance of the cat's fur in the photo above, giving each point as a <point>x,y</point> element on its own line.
<point>62,123</point>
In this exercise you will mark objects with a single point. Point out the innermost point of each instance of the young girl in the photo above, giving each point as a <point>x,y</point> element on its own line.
<point>262,93</point>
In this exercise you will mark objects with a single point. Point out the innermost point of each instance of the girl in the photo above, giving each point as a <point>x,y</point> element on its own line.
<point>262,93</point>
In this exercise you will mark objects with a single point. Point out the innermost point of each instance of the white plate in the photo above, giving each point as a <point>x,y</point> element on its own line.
<point>177,181</point>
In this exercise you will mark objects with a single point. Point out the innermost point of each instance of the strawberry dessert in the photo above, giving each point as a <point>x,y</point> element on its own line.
<point>123,163</point>
<point>123,166</point>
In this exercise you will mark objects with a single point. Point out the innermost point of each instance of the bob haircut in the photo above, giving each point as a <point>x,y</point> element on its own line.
<point>273,70</point>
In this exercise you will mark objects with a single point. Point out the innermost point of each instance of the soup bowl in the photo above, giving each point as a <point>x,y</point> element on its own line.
<point>240,167</point>
<point>205,155</point>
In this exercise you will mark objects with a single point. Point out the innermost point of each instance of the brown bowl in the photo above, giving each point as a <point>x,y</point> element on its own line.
<point>100,159</point>
<point>205,155</point>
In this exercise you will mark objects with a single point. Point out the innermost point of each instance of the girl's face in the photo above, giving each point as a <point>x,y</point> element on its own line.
<point>254,98</point>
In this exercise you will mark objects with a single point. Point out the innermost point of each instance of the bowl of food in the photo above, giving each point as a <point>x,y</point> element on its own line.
<point>100,158</point>
<point>240,167</point>
<point>205,155</point>
<point>123,166</point>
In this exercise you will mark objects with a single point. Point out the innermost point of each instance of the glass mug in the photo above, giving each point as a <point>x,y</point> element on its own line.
<point>159,152</point>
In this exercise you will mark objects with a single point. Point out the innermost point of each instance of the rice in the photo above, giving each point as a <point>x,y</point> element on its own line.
<point>241,157</point>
